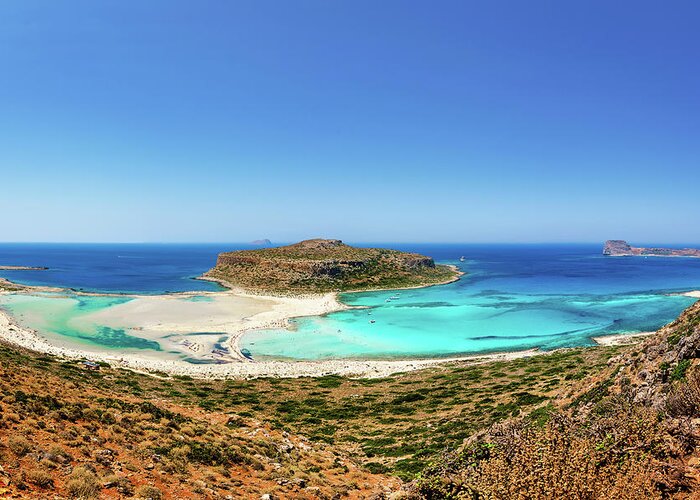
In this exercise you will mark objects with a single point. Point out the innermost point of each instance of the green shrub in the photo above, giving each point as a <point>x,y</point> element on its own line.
<point>83,483</point>
<point>377,468</point>
<point>148,493</point>
<point>40,478</point>
<point>678,372</point>
<point>19,445</point>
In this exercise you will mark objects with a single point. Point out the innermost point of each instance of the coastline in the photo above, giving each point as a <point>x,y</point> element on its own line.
<point>653,255</point>
<point>176,321</point>
<point>287,307</point>
<point>620,338</point>
<point>278,310</point>
<point>18,336</point>
<point>229,286</point>
<point>458,275</point>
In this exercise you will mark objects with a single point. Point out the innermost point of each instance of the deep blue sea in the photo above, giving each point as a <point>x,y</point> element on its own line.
<point>512,297</point>
<point>121,268</point>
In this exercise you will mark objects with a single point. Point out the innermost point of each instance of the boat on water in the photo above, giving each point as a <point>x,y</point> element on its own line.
<point>462,259</point>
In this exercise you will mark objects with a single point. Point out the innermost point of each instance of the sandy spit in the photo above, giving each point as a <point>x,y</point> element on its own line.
<point>16,335</point>
<point>620,339</point>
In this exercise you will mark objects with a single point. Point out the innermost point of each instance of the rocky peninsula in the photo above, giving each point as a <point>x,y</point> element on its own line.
<point>620,248</point>
<point>322,265</point>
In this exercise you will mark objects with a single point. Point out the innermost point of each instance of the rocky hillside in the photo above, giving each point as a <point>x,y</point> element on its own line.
<point>315,266</point>
<point>67,431</point>
<point>70,432</point>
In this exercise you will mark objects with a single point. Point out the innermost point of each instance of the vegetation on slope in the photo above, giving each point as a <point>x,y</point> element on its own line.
<point>66,432</point>
<point>316,266</point>
<point>116,431</point>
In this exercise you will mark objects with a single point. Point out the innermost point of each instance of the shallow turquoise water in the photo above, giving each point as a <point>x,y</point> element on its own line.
<point>438,325</point>
<point>63,316</point>
<point>514,297</point>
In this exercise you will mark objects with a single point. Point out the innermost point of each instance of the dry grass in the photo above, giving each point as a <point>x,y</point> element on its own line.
<point>83,483</point>
<point>148,493</point>
<point>98,435</point>
<point>614,456</point>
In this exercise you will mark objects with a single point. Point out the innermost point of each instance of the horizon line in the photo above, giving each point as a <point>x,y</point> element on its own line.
<point>281,242</point>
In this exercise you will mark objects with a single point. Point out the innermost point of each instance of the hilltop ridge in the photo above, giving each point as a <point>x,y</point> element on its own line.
<point>327,265</point>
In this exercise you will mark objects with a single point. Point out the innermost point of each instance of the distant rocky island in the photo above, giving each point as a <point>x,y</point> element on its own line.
<point>264,242</point>
<point>323,265</point>
<point>620,248</point>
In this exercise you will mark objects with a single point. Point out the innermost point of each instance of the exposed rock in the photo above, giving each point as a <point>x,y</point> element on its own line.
<point>315,266</point>
<point>620,248</point>
<point>617,247</point>
<point>652,368</point>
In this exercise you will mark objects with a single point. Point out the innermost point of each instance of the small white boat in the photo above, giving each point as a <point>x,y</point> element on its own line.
<point>462,259</point>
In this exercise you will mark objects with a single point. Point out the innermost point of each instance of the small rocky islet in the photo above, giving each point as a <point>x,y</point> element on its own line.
<point>620,248</point>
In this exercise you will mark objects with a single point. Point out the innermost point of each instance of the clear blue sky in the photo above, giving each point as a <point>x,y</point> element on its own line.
<point>363,120</point>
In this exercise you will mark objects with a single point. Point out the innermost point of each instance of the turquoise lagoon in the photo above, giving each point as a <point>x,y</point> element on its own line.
<point>513,297</point>
<point>62,318</point>
<point>444,322</point>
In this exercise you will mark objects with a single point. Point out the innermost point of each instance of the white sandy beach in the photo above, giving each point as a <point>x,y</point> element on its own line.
<point>620,339</point>
<point>16,335</point>
<point>228,313</point>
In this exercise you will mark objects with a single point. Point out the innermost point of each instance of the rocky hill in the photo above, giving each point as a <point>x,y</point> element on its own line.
<point>321,265</point>
<point>620,248</point>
